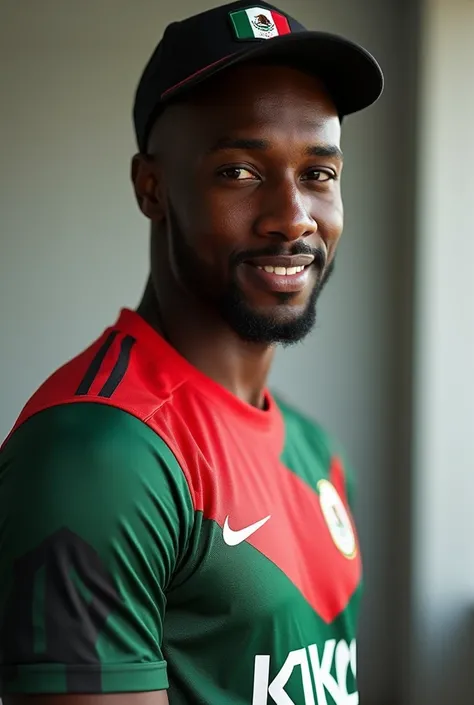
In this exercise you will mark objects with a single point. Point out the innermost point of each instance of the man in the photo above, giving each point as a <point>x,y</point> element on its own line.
<point>169,532</point>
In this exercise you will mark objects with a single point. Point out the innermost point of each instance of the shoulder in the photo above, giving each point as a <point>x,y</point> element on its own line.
<point>121,369</point>
<point>91,480</point>
<point>93,456</point>
<point>82,429</point>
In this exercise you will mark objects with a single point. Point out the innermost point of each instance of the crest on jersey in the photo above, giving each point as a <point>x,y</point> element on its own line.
<point>337,519</point>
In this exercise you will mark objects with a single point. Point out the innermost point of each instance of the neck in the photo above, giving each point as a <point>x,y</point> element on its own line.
<point>209,344</point>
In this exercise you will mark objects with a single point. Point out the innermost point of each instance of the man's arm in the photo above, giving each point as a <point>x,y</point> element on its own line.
<point>95,515</point>
<point>150,698</point>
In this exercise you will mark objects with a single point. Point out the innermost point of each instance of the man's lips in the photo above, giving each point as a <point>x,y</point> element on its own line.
<point>286,261</point>
<point>279,274</point>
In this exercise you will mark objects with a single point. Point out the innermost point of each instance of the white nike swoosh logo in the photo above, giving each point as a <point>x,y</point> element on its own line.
<point>233,538</point>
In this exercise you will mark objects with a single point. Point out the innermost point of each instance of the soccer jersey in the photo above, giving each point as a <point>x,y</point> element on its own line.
<point>156,532</point>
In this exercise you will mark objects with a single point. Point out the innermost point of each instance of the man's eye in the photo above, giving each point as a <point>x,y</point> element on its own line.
<point>319,175</point>
<point>237,173</point>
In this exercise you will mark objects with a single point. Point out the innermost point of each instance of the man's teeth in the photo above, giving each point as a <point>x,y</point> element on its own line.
<point>282,271</point>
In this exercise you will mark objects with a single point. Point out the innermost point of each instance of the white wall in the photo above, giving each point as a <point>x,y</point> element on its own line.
<point>443,520</point>
<point>74,248</point>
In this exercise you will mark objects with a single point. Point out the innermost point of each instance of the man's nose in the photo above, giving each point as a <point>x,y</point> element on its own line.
<point>286,213</point>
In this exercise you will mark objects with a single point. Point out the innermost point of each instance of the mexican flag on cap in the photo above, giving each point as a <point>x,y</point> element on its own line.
<point>259,23</point>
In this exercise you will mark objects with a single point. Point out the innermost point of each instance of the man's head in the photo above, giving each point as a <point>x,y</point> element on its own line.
<point>243,175</point>
<point>240,176</point>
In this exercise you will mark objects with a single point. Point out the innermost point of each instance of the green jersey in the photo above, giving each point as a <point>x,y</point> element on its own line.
<point>156,532</point>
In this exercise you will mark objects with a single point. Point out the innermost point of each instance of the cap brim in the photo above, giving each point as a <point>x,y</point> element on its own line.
<point>351,75</point>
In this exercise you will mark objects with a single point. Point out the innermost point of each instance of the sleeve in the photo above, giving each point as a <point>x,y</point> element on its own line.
<point>95,518</point>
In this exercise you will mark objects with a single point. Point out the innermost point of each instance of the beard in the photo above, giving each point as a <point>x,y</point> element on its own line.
<point>259,327</point>
<point>251,325</point>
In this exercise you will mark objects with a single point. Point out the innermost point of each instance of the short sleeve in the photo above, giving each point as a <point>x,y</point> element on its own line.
<point>95,518</point>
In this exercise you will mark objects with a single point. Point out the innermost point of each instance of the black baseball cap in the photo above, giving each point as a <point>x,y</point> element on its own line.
<point>194,49</point>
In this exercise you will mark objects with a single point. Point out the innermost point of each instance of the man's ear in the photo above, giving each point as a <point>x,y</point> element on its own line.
<point>146,181</point>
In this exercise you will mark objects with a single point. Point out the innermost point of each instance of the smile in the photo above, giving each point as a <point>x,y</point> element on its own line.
<point>281,271</point>
<point>284,274</point>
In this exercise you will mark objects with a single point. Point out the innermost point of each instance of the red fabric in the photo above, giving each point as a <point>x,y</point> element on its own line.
<point>229,452</point>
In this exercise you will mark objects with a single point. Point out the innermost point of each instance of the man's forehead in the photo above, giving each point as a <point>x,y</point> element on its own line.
<point>201,133</point>
<point>224,129</point>
<point>265,121</point>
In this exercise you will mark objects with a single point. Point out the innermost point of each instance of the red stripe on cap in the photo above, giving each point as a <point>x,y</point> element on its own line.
<point>193,75</point>
<point>281,23</point>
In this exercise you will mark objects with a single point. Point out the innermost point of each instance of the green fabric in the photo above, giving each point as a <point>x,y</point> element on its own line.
<point>224,639</point>
<point>132,589</point>
<point>304,435</point>
<point>112,482</point>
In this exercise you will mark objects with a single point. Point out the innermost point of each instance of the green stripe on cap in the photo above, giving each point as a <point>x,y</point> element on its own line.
<point>241,24</point>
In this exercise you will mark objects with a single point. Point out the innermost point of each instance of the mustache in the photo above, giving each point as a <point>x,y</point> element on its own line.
<point>298,248</point>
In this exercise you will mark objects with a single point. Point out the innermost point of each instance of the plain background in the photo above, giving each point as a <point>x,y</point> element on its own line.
<point>74,249</point>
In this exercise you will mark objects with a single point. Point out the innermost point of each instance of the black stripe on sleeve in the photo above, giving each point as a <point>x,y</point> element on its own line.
<point>120,367</point>
<point>94,367</point>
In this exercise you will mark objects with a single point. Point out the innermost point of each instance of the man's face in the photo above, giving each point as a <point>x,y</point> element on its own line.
<point>250,176</point>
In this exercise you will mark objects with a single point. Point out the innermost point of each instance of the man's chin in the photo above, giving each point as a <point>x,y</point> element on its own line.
<point>286,323</point>
<point>283,326</point>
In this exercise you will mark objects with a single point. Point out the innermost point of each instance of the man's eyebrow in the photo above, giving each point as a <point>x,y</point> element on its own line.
<point>237,143</point>
<point>245,143</point>
<point>325,150</point>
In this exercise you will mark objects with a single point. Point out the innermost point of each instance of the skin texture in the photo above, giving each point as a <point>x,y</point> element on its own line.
<point>152,698</point>
<point>212,208</point>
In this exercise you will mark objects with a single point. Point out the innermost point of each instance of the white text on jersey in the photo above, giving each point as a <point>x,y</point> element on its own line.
<point>336,658</point>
